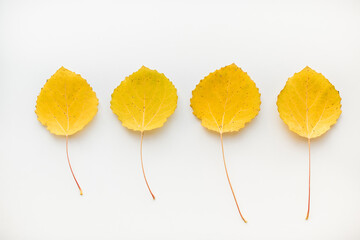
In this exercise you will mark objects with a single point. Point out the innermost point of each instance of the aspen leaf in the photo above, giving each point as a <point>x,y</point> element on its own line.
<point>144,101</point>
<point>65,105</point>
<point>309,104</point>
<point>225,101</point>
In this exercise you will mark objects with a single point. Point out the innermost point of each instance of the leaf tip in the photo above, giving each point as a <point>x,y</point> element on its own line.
<point>62,68</point>
<point>307,68</point>
<point>144,68</point>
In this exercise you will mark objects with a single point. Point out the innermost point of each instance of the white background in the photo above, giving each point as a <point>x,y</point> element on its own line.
<point>106,41</point>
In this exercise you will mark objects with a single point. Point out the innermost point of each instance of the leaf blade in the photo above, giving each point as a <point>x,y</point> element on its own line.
<point>309,104</point>
<point>144,100</point>
<point>66,103</point>
<point>226,100</point>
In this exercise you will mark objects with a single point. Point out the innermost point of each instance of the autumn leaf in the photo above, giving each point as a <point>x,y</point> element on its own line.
<point>144,101</point>
<point>225,101</point>
<point>65,105</point>
<point>309,104</point>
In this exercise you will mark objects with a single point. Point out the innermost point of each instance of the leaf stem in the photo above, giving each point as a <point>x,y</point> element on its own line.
<point>308,211</point>
<point>67,154</point>
<point>142,165</point>
<point>227,175</point>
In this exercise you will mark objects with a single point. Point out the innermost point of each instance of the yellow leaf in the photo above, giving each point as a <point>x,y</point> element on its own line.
<point>224,101</point>
<point>309,104</point>
<point>144,101</point>
<point>66,103</point>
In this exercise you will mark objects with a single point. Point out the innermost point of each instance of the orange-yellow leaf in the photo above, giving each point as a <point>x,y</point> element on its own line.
<point>65,105</point>
<point>144,101</point>
<point>225,101</point>
<point>309,104</point>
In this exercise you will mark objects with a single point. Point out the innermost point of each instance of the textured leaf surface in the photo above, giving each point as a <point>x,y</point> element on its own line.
<point>309,104</point>
<point>144,100</point>
<point>226,99</point>
<point>66,103</point>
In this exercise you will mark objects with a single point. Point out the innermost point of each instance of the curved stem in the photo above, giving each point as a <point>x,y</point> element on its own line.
<point>142,165</point>
<point>227,175</point>
<point>67,154</point>
<point>308,211</point>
